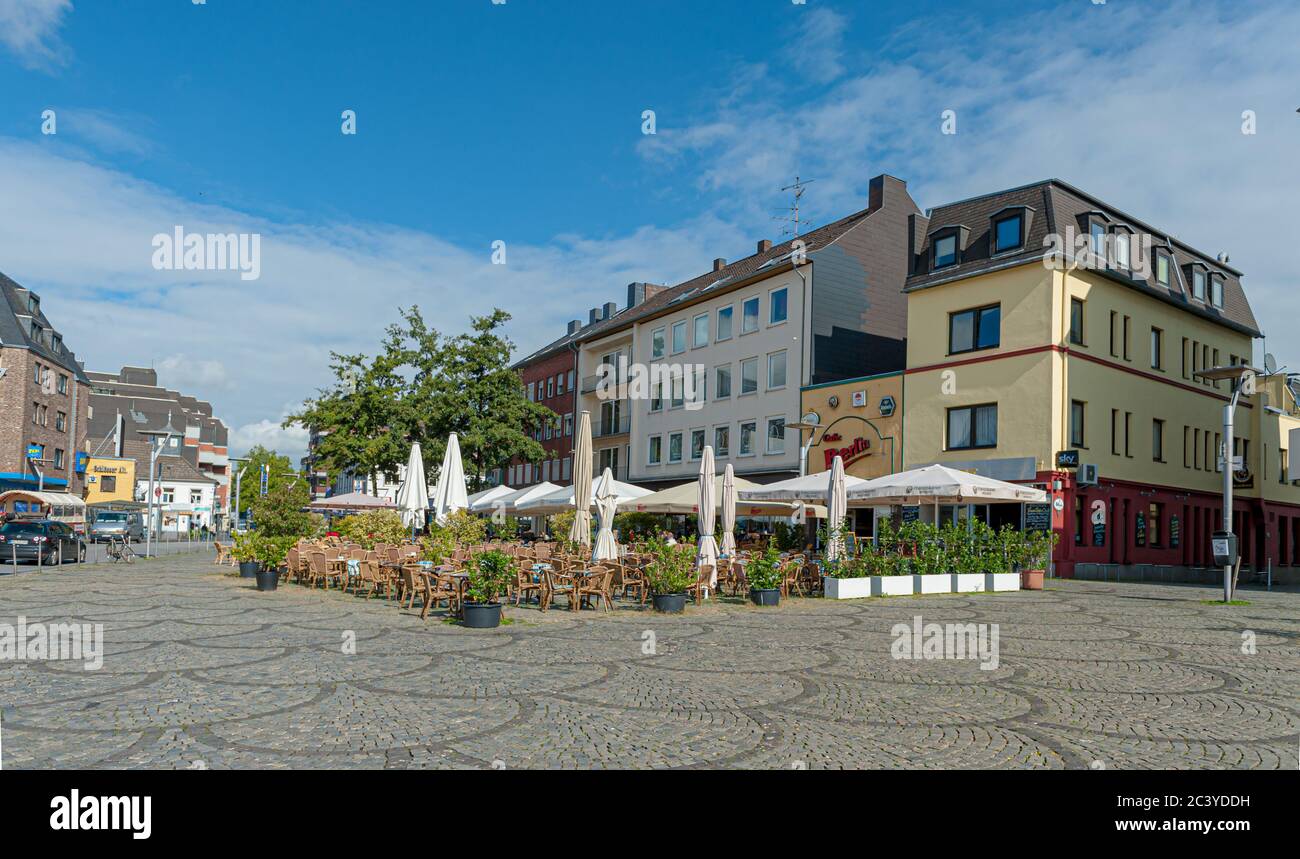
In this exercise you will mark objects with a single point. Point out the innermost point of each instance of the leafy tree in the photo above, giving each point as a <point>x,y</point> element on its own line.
<point>360,419</point>
<point>281,474</point>
<point>281,512</point>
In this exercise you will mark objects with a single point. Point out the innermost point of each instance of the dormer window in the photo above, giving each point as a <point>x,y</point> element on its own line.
<point>945,251</point>
<point>1198,284</point>
<point>1122,246</point>
<point>1216,291</point>
<point>1162,268</point>
<point>1008,233</point>
<point>33,303</point>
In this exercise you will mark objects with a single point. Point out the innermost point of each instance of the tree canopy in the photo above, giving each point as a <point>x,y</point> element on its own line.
<point>421,387</point>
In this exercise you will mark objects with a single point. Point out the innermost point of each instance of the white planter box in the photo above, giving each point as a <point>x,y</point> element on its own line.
<point>937,583</point>
<point>891,586</point>
<point>847,589</point>
<point>967,583</point>
<point>1001,581</point>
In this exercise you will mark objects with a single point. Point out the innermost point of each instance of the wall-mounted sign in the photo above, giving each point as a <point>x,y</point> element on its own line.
<point>1140,530</point>
<point>34,451</point>
<point>887,406</point>
<point>1038,517</point>
<point>856,449</point>
<point>1175,533</point>
<point>834,401</point>
<point>859,399</point>
<point>1067,459</point>
<point>1098,522</point>
<point>82,460</point>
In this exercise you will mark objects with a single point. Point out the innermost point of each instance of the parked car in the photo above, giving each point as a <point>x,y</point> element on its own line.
<point>117,525</point>
<point>43,540</point>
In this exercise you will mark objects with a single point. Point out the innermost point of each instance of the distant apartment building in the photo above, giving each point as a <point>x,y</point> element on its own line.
<point>550,377</point>
<point>749,334</point>
<point>44,399</point>
<point>1011,361</point>
<point>126,406</point>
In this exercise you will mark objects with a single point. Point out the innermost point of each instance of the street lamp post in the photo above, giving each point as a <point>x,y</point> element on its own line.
<point>155,450</point>
<point>239,480</point>
<point>1244,376</point>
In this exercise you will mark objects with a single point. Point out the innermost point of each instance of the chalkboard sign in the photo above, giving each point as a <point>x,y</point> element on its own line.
<point>1038,517</point>
<point>1099,534</point>
<point>1175,532</point>
<point>1140,530</point>
<point>911,513</point>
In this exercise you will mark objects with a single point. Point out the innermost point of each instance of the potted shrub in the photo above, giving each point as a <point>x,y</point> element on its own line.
<point>669,574</point>
<point>930,560</point>
<point>764,575</point>
<point>1035,557</point>
<point>245,552</point>
<point>270,557</point>
<point>1000,566</point>
<point>490,575</point>
<point>850,578</point>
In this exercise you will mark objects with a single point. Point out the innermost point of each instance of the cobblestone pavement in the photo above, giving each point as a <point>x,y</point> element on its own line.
<point>202,671</point>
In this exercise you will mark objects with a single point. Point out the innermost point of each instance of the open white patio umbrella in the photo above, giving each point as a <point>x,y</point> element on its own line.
<point>449,495</point>
<point>837,507</point>
<point>486,500</point>
<point>708,547</point>
<point>413,496</point>
<point>510,502</point>
<point>581,530</point>
<point>606,506</point>
<point>810,488</point>
<point>729,511</point>
<point>939,484</point>
<point>560,499</point>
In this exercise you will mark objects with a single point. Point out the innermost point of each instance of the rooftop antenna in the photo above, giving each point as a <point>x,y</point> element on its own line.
<point>792,218</point>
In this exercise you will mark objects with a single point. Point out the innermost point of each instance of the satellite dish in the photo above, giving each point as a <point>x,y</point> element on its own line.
<point>1270,364</point>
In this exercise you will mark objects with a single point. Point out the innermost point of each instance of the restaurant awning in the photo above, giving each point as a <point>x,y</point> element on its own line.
<point>683,499</point>
<point>939,484</point>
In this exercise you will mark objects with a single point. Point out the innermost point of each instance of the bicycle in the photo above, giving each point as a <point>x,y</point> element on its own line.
<point>119,549</point>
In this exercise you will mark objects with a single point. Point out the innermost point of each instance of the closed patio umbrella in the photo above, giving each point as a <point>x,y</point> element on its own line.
<point>729,511</point>
<point>606,506</point>
<point>708,548</point>
<point>581,530</point>
<point>449,495</point>
<point>837,507</point>
<point>413,496</point>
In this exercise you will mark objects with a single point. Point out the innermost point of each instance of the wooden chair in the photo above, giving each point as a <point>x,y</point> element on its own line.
<point>558,584</point>
<point>597,583</point>
<point>792,575</point>
<point>526,581</point>
<point>224,552</point>
<point>702,584</point>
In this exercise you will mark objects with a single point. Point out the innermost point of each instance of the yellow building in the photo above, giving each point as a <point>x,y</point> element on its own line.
<point>110,478</point>
<point>861,421</point>
<point>1047,328</point>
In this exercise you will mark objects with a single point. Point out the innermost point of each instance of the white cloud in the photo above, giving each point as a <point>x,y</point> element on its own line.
<point>817,52</point>
<point>29,29</point>
<point>1140,105</point>
<point>291,442</point>
<point>80,234</point>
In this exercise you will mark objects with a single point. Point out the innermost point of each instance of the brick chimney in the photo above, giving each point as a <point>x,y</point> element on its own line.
<point>719,264</point>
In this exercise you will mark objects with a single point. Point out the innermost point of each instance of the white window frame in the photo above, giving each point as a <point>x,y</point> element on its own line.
<point>758,314</point>
<point>731,323</point>
<point>672,346</point>
<point>767,439</point>
<point>695,331</point>
<point>660,334</point>
<point>784,354</point>
<point>740,437</point>
<point>704,441</point>
<point>717,382</point>
<point>771,305</point>
<point>680,452</point>
<point>743,362</point>
<point>718,450</point>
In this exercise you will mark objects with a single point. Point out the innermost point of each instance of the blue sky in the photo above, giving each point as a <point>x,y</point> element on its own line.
<point>522,123</point>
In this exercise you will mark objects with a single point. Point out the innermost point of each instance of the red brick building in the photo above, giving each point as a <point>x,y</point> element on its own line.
<point>549,376</point>
<point>44,398</point>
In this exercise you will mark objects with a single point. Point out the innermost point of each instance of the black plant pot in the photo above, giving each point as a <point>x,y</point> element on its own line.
<point>669,603</point>
<point>766,596</point>
<point>248,569</point>
<point>482,615</point>
<point>267,580</point>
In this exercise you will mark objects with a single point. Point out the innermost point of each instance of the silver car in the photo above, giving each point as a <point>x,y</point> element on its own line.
<point>112,525</point>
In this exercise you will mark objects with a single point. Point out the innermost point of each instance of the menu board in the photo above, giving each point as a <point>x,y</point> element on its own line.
<point>1099,534</point>
<point>911,512</point>
<point>1175,532</point>
<point>1038,517</point>
<point>1140,530</point>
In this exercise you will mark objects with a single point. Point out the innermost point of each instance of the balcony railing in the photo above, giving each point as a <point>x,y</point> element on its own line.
<point>603,428</point>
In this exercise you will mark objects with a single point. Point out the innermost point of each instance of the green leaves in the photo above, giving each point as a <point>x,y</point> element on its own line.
<point>672,570</point>
<point>490,574</point>
<point>422,387</point>
<point>764,571</point>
